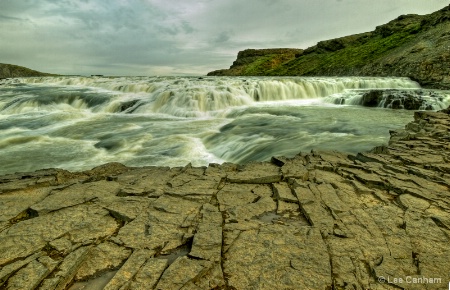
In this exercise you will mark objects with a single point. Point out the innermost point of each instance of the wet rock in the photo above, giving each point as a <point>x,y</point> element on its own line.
<point>256,173</point>
<point>80,224</point>
<point>207,243</point>
<point>278,257</point>
<point>372,98</point>
<point>313,209</point>
<point>127,208</point>
<point>232,195</point>
<point>8,270</point>
<point>287,208</point>
<point>76,194</point>
<point>182,271</point>
<point>123,277</point>
<point>195,189</point>
<point>211,279</point>
<point>15,205</point>
<point>32,275</point>
<point>149,275</point>
<point>168,224</point>
<point>252,210</point>
<point>283,192</point>
<point>105,256</point>
<point>62,245</point>
<point>67,270</point>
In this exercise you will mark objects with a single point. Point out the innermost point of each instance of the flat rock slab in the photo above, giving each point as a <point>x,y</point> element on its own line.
<point>256,173</point>
<point>319,220</point>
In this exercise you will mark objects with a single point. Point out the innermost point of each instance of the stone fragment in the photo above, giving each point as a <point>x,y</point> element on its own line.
<point>80,224</point>
<point>28,277</point>
<point>207,243</point>
<point>9,269</point>
<point>408,201</point>
<point>48,262</point>
<point>294,168</point>
<point>62,245</point>
<point>211,279</point>
<point>330,198</point>
<point>390,223</point>
<point>105,256</point>
<point>366,231</point>
<point>13,247</point>
<point>127,208</point>
<point>149,274</point>
<point>199,189</point>
<point>76,194</point>
<point>429,246</point>
<point>256,173</point>
<point>313,209</point>
<point>17,202</point>
<point>370,180</point>
<point>16,184</point>
<point>124,276</point>
<point>97,283</point>
<point>283,192</point>
<point>288,208</point>
<point>168,224</point>
<point>182,271</point>
<point>348,263</point>
<point>278,257</point>
<point>67,270</point>
<point>232,195</point>
<point>252,210</point>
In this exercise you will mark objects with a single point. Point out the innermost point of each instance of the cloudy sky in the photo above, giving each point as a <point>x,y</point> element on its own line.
<point>176,37</point>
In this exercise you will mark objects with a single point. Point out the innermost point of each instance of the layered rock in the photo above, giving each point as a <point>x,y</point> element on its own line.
<point>320,220</point>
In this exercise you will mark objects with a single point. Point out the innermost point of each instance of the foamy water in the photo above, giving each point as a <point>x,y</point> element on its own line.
<point>77,123</point>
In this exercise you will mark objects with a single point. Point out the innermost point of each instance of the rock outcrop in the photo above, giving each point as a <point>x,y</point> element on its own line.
<point>414,46</point>
<point>256,61</point>
<point>398,99</point>
<point>15,71</point>
<point>320,220</point>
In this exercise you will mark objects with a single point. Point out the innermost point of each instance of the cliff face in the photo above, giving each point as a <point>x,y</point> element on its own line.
<point>258,61</point>
<point>415,46</point>
<point>13,71</point>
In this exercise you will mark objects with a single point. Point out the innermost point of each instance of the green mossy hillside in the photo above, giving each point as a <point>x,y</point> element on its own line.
<point>415,46</point>
<point>14,71</point>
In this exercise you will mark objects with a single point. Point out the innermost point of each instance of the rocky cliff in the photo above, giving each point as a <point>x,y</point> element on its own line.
<point>14,71</point>
<point>415,46</point>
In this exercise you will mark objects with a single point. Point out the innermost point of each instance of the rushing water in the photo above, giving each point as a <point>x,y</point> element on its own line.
<point>77,123</point>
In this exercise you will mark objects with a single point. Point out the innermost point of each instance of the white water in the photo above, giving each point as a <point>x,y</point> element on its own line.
<point>80,122</point>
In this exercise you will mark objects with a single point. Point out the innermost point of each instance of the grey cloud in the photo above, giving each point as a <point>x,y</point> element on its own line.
<point>224,36</point>
<point>10,18</point>
<point>136,37</point>
<point>187,28</point>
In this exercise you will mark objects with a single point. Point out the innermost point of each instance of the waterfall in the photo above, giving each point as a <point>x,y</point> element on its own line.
<point>185,96</point>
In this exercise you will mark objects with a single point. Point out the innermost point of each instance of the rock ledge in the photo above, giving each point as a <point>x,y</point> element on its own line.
<point>320,220</point>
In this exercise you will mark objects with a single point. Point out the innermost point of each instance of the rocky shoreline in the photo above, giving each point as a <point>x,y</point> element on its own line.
<point>320,220</point>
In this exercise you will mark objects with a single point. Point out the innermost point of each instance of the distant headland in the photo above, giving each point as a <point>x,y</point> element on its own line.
<point>15,71</point>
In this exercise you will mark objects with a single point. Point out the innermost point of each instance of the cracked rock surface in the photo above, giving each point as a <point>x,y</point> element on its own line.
<point>319,220</point>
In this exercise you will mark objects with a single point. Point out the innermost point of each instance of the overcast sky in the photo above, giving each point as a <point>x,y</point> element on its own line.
<point>176,37</point>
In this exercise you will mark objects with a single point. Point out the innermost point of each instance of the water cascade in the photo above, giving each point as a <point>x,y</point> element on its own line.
<point>77,123</point>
